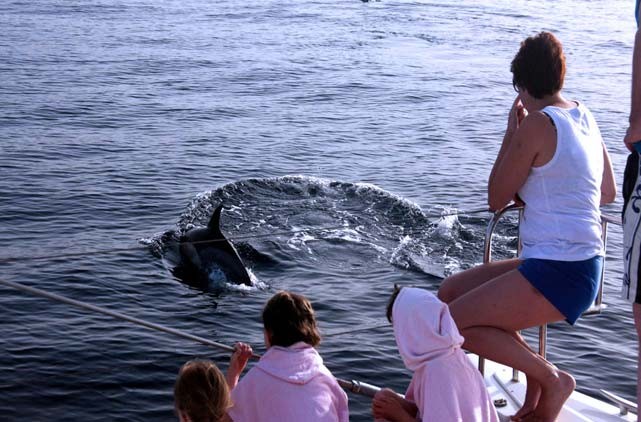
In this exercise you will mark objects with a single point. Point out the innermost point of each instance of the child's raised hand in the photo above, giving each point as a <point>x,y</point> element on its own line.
<point>237,362</point>
<point>242,353</point>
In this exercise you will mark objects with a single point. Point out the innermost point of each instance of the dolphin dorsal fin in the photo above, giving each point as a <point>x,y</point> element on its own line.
<point>214,222</point>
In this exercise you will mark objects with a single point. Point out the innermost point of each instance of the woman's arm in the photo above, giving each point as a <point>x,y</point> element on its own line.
<point>517,155</point>
<point>633,134</point>
<point>515,117</point>
<point>608,184</point>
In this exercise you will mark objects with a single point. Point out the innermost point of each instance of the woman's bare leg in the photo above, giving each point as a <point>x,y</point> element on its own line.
<point>532,390</point>
<point>489,317</point>
<point>460,283</point>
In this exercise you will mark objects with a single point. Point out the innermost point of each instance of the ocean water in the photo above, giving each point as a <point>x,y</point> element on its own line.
<point>336,131</point>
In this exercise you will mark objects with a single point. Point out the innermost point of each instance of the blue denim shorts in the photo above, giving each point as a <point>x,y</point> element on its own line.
<point>571,286</point>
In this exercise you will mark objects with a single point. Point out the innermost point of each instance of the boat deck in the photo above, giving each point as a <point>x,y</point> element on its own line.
<point>579,407</point>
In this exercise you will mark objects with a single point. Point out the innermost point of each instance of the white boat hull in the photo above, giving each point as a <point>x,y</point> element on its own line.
<point>578,408</point>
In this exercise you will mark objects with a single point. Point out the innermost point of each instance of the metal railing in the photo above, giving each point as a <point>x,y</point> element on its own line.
<point>357,387</point>
<point>596,307</point>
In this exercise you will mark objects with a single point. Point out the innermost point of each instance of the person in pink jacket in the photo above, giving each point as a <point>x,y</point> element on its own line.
<point>290,382</point>
<point>445,385</point>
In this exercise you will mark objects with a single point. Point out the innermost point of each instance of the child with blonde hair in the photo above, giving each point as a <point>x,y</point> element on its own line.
<point>201,393</point>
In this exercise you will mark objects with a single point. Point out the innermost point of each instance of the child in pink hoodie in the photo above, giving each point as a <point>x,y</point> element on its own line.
<point>445,386</point>
<point>290,382</point>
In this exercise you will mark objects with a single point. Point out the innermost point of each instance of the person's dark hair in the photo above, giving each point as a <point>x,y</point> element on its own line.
<point>539,66</point>
<point>201,392</point>
<point>392,299</point>
<point>289,318</point>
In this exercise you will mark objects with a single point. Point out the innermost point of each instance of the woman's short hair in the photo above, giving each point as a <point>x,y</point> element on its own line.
<point>201,391</point>
<point>289,318</point>
<point>539,66</point>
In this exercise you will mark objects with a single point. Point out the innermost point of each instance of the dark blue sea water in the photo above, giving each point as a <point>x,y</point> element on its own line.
<point>123,120</point>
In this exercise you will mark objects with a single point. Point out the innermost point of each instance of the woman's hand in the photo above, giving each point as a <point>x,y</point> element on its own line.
<point>632,135</point>
<point>517,114</point>
<point>237,363</point>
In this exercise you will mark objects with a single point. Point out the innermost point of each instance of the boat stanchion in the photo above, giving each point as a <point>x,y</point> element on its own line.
<point>624,405</point>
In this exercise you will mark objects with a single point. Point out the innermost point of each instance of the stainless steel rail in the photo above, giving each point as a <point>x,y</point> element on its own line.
<point>598,305</point>
<point>353,386</point>
<point>624,405</point>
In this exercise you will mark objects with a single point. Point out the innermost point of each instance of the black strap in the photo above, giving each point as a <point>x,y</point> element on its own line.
<point>551,119</point>
<point>630,175</point>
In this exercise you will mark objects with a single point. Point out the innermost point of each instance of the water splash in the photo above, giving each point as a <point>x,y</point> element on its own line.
<point>317,218</point>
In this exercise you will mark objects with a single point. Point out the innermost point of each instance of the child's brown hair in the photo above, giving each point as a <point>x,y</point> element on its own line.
<point>201,392</point>
<point>289,318</point>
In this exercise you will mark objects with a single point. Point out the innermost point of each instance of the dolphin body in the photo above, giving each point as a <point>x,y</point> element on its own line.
<point>203,250</point>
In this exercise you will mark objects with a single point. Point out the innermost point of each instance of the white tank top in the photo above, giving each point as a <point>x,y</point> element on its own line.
<point>562,219</point>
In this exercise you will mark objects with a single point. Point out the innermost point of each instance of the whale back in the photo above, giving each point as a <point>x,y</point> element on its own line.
<point>221,253</point>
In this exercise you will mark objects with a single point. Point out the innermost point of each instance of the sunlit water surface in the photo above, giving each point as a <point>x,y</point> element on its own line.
<point>336,131</point>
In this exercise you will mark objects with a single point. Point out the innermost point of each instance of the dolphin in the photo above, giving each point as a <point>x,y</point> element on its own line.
<point>205,249</point>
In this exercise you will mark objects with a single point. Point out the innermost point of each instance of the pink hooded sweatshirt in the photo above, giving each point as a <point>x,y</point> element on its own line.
<point>289,384</point>
<point>446,386</point>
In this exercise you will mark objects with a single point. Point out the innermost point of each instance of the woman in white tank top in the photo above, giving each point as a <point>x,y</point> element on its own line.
<point>554,161</point>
